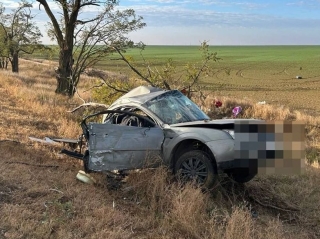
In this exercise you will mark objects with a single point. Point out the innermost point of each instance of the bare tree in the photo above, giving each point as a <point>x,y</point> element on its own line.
<point>85,39</point>
<point>18,33</point>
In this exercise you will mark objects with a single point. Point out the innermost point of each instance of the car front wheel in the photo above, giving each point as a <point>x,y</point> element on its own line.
<point>196,165</point>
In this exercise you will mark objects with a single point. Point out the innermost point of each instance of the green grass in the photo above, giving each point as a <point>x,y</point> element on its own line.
<point>262,53</point>
<point>231,53</point>
<point>262,73</point>
<point>270,58</point>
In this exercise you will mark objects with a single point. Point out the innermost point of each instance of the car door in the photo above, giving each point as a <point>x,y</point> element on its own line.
<point>120,147</point>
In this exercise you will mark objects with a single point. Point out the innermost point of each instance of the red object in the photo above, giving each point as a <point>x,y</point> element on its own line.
<point>217,103</point>
<point>184,91</point>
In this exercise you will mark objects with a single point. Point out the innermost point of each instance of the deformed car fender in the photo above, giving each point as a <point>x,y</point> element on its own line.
<point>223,152</point>
<point>174,136</point>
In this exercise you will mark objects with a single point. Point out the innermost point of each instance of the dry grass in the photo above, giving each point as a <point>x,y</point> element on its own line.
<point>269,112</point>
<point>41,198</point>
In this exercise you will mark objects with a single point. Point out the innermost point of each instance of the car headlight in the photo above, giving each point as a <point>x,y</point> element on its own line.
<point>230,132</point>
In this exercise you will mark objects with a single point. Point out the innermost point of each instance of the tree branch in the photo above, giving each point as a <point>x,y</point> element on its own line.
<point>114,88</point>
<point>86,105</point>
<point>133,68</point>
<point>35,165</point>
<point>53,20</point>
<point>85,22</point>
<point>101,76</point>
<point>95,86</point>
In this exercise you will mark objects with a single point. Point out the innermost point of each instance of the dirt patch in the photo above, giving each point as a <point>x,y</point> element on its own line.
<point>36,194</point>
<point>2,233</point>
<point>6,192</point>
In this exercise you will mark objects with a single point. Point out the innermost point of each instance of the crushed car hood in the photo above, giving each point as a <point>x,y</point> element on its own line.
<point>216,124</point>
<point>139,95</point>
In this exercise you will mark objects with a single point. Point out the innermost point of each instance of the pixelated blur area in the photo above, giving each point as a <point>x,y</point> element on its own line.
<point>273,147</point>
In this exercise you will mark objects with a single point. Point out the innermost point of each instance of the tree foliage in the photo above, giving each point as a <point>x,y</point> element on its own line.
<point>84,39</point>
<point>168,76</point>
<point>18,33</point>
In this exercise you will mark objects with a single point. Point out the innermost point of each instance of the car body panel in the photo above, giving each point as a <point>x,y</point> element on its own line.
<point>127,149</point>
<point>223,151</point>
<point>114,145</point>
<point>139,95</point>
<point>217,123</point>
<point>117,147</point>
<point>175,135</point>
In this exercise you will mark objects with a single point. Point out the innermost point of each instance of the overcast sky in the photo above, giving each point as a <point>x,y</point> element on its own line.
<point>221,22</point>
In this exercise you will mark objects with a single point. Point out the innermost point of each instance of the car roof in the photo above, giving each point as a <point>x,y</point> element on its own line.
<point>140,95</point>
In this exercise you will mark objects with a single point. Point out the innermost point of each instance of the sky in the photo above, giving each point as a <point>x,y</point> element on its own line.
<point>220,22</point>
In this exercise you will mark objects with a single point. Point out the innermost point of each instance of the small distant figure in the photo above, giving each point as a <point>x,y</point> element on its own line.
<point>298,77</point>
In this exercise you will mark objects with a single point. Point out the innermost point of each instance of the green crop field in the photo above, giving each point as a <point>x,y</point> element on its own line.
<point>261,73</point>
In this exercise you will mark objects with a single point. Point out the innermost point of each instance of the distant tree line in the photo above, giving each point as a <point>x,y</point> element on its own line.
<point>18,33</point>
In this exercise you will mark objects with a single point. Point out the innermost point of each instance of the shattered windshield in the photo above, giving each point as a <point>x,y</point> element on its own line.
<point>173,107</point>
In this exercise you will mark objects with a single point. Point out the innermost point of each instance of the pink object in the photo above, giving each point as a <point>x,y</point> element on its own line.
<point>236,110</point>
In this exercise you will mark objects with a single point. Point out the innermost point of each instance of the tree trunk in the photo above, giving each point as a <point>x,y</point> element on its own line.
<point>15,62</point>
<point>4,61</point>
<point>65,84</point>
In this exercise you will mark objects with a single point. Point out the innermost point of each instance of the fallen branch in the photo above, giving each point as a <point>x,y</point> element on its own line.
<point>35,165</point>
<point>76,91</point>
<point>291,209</point>
<point>88,104</point>
<point>9,140</point>
<point>55,190</point>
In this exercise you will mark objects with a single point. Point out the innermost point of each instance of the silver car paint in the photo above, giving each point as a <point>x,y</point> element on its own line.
<point>176,135</point>
<point>117,147</point>
<point>129,146</point>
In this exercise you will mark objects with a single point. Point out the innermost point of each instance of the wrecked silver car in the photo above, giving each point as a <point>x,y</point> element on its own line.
<point>149,126</point>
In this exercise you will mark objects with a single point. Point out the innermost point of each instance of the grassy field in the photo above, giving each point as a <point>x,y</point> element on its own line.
<point>41,198</point>
<point>260,73</point>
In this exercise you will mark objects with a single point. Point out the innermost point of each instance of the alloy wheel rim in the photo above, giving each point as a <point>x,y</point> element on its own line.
<point>194,169</point>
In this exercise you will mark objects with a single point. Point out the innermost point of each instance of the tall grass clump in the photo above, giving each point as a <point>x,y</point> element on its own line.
<point>185,210</point>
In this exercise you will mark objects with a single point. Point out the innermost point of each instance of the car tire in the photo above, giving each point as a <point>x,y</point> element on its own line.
<point>242,175</point>
<point>196,165</point>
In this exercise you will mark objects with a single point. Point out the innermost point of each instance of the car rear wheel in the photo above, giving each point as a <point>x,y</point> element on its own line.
<point>241,175</point>
<point>196,165</point>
